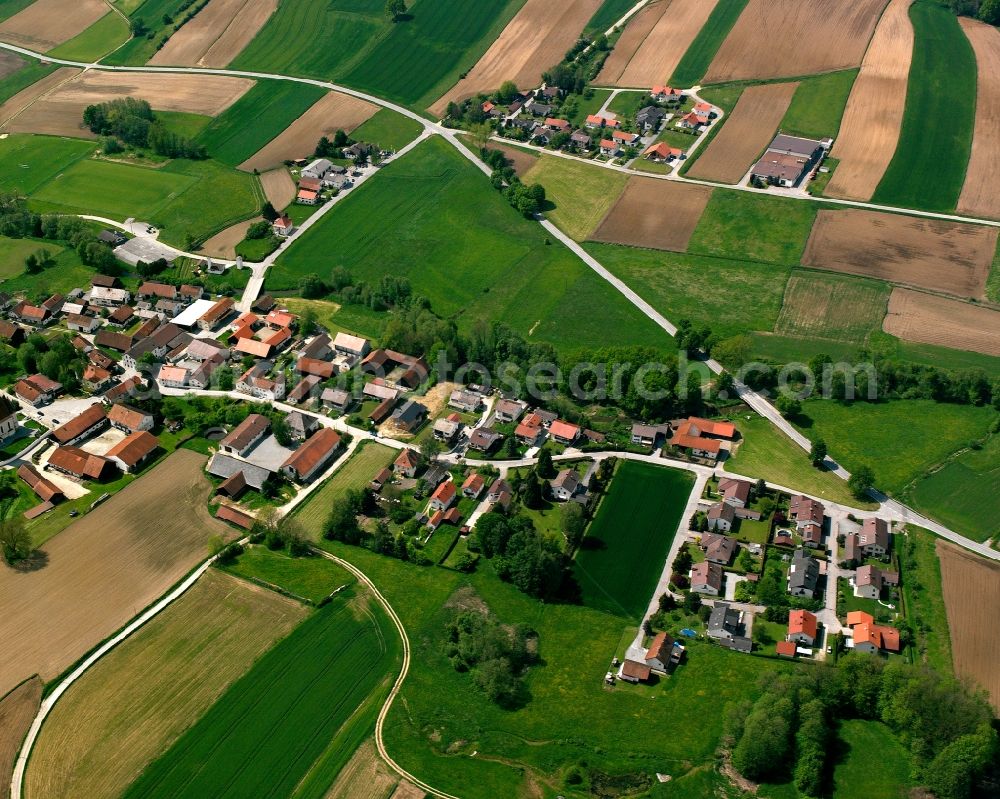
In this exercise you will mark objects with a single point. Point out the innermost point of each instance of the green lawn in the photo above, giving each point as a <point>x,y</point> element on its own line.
<point>31,72</point>
<point>67,273</point>
<point>872,763</point>
<point>328,677</point>
<point>312,578</point>
<point>14,251</point>
<point>753,227</point>
<point>27,161</point>
<point>578,195</point>
<point>588,105</point>
<point>256,118</point>
<point>900,439</point>
<point>387,129</point>
<point>627,104</point>
<point>818,105</point>
<point>928,169</point>
<point>96,41</point>
<point>702,50</point>
<point>925,607</point>
<point>256,250</point>
<point>619,562</point>
<point>358,320</point>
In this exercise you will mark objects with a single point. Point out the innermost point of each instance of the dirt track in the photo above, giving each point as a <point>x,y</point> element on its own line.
<point>869,131</point>
<point>17,711</point>
<point>745,133</point>
<point>787,38</point>
<point>979,194</point>
<point>217,34</point>
<point>47,23</point>
<point>949,257</point>
<point>654,213</point>
<point>928,319</point>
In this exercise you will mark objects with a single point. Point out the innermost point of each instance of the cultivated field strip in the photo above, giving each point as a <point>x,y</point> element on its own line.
<point>47,23</point>
<point>788,38</point>
<point>831,306</point>
<point>17,711</point>
<point>30,94</point>
<point>869,131</point>
<point>929,319</point>
<point>980,195</point>
<point>745,133</point>
<point>662,34</point>
<point>279,188</point>
<point>217,34</point>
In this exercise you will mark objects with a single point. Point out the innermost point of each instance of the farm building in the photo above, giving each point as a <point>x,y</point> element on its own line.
<point>303,464</point>
<point>81,426</point>
<point>133,450</point>
<point>246,435</point>
<point>787,160</point>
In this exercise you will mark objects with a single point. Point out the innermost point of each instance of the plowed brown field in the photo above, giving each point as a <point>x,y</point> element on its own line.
<point>660,214</point>
<point>928,319</point>
<point>47,23</point>
<point>980,195</point>
<point>535,40</point>
<point>654,41</point>
<point>870,129</point>
<point>17,711</point>
<point>330,113</point>
<point>104,568</point>
<point>785,38</point>
<point>745,133</point>
<point>223,244</point>
<point>971,587</point>
<point>949,257</point>
<point>28,95</point>
<point>279,188</point>
<point>217,34</point>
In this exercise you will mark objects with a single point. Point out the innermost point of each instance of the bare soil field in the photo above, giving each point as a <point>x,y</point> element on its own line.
<point>785,38</point>
<point>28,95</point>
<point>927,319</point>
<point>654,213</point>
<point>654,41</point>
<point>521,160</point>
<point>949,257</point>
<point>979,194</point>
<point>406,790</point>
<point>332,112</point>
<point>971,587</point>
<point>535,40</point>
<point>364,777</point>
<point>745,134</point>
<point>47,23</point>
<point>104,568</point>
<point>17,711</point>
<point>9,63</point>
<point>60,112</point>
<point>279,188</point>
<point>134,703</point>
<point>217,34</point>
<point>869,131</point>
<point>223,244</point>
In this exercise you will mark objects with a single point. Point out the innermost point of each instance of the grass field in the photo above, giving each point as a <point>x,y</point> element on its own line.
<point>95,42</point>
<point>27,162</point>
<point>135,702</point>
<point>580,195</point>
<point>184,124</point>
<point>256,118</point>
<point>607,15</point>
<point>280,730</point>
<point>9,8</point>
<point>14,251</point>
<point>153,14</point>
<point>387,129</point>
<point>899,439</point>
<point>870,756</point>
<point>954,495</point>
<point>834,307</point>
<point>311,578</point>
<point>618,565</point>
<point>357,472</point>
<point>31,72</point>
<point>818,105</point>
<point>753,227</point>
<point>928,168</point>
<point>358,320</point>
<point>924,600</point>
<point>699,55</point>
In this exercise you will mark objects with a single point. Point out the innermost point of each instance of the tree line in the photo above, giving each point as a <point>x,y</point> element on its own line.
<point>129,121</point>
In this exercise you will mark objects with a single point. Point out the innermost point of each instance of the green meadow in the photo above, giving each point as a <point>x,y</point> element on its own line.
<point>699,55</point>
<point>98,40</point>
<point>387,129</point>
<point>818,105</point>
<point>27,161</point>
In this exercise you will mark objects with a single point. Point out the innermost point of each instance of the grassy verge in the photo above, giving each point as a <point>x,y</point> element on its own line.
<point>925,607</point>
<point>702,50</point>
<point>312,578</point>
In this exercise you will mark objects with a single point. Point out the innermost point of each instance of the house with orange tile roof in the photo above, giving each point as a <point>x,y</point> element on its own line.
<point>564,432</point>
<point>443,496</point>
<point>692,121</point>
<point>700,437</point>
<point>871,637</point>
<point>530,429</point>
<point>133,450</point>
<point>665,94</point>
<point>802,627</point>
<point>307,461</point>
<point>610,148</point>
<point>661,151</point>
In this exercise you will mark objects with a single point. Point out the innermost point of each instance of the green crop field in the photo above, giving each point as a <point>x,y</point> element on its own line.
<point>387,129</point>
<point>312,578</point>
<point>433,218</point>
<point>26,161</point>
<point>621,558</point>
<point>9,8</point>
<point>928,169</point>
<point>607,15</point>
<point>279,730</point>
<point>699,55</point>
<point>98,40</point>
<point>31,71</point>
<point>184,124</point>
<point>828,306</point>
<point>874,766</point>
<point>818,105</point>
<point>578,195</point>
<point>154,15</point>
<point>900,439</point>
<point>256,118</point>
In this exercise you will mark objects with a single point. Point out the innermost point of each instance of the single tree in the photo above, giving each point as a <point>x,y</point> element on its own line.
<point>14,539</point>
<point>573,523</point>
<point>532,493</point>
<point>545,469</point>
<point>818,452</point>
<point>395,9</point>
<point>861,480</point>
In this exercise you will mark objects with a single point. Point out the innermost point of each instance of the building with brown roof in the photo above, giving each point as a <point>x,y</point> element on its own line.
<point>129,419</point>
<point>407,463</point>
<point>233,516</point>
<point>661,653</point>
<point>81,426</point>
<point>127,388</point>
<point>874,538</point>
<point>214,316</point>
<point>307,461</point>
<point>133,450</point>
<point>633,671</point>
<point>11,334</point>
<point>706,578</point>
<point>37,390</point>
<point>46,490</point>
<point>246,435</point>
<point>314,366</point>
<point>808,516</point>
<point>802,627</point>
<point>78,463</point>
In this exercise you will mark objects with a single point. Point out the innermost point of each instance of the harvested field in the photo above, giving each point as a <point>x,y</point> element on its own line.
<point>330,113</point>
<point>223,244</point>
<point>521,160</point>
<point>28,95</point>
<point>535,40</point>
<point>17,711</point>
<point>104,568</point>
<point>60,112</point>
<point>406,790</point>
<point>927,319</point>
<point>816,36</point>
<point>217,34</point>
<point>971,587</point>
<point>869,131</point>
<point>745,134</point>
<point>279,188</point>
<point>364,776</point>
<point>47,23</point>
<point>979,193</point>
<point>654,41</point>
<point>949,257</point>
<point>653,213</point>
<point>137,700</point>
<point>831,306</point>
<point>9,63</point>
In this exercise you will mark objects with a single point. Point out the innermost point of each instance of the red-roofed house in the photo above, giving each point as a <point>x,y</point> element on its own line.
<point>529,429</point>
<point>785,648</point>
<point>802,627</point>
<point>443,496</point>
<point>557,124</point>
<point>303,464</point>
<point>282,226</point>
<point>407,463</point>
<point>610,148</point>
<point>871,637</point>
<point>564,432</point>
<point>133,450</point>
<point>692,121</point>
<point>473,486</point>
<point>665,94</point>
<point>661,151</point>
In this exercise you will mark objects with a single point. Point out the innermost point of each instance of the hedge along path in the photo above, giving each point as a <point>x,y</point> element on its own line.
<point>654,42</point>
<point>745,134</point>
<point>535,40</point>
<point>979,193</point>
<point>48,23</point>
<point>816,36</point>
<point>929,319</point>
<point>869,131</point>
<point>217,34</point>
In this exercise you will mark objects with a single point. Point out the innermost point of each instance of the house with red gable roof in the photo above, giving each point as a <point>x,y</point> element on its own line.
<point>443,496</point>
<point>869,636</point>
<point>661,151</point>
<point>666,94</point>
<point>802,627</point>
<point>564,432</point>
